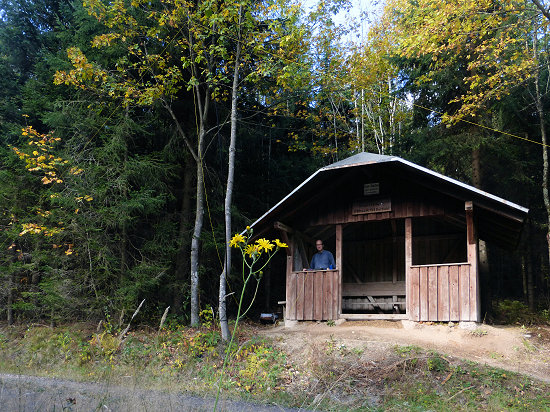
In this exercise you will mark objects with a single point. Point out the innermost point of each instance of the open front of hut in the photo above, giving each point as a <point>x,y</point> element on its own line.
<point>405,241</point>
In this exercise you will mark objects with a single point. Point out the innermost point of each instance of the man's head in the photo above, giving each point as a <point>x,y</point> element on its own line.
<point>319,245</point>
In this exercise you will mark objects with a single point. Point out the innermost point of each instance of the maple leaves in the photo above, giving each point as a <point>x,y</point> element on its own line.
<point>153,51</point>
<point>39,157</point>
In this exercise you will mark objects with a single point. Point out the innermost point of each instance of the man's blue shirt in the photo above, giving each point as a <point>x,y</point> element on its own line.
<point>322,260</point>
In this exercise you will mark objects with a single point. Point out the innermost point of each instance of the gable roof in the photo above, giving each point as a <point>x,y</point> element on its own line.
<point>499,220</point>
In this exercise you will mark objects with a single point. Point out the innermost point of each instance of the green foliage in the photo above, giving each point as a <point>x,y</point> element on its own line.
<point>260,370</point>
<point>478,332</point>
<point>203,344</point>
<point>207,317</point>
<point>306,98</point>
<point>436,363</point>
<point>259,367</point>
<point>410,350</point>
<point>104,345</point>
<point>514,312</point>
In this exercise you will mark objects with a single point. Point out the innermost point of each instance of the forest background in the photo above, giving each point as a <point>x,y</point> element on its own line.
<point>137,136</point>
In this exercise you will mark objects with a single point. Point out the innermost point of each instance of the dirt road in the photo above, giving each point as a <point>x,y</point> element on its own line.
<point>32,394</point>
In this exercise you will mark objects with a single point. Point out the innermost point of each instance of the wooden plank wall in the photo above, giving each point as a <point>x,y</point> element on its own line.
<point>375,260</point>
<point>337,213</point>
<point>439,249</point>
<point>442,293</point>
<point>313,295</point>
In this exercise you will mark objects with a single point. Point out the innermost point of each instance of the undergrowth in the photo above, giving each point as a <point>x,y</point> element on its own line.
<point>156,359</point>
<point>333,377</point>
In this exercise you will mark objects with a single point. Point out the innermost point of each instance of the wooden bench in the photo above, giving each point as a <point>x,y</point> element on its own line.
<point>373,290</point>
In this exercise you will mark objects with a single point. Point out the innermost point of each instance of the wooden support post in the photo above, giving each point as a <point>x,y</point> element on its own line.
<point>408,262</point>
<point>394,250</point>
<point>472,249</point>
<point>286,239</point>
<point>290,283</point>
<point>339,264</point>
<point>283,227</point>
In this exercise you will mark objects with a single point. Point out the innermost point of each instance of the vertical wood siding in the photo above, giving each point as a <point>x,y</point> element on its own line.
<point>441,293</point>
<point>313,295</point>
<point>334,212</point>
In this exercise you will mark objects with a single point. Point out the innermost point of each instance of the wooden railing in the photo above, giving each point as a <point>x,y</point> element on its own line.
<point>374,289</point>
<point>313,295</point>
<point>441,293</point>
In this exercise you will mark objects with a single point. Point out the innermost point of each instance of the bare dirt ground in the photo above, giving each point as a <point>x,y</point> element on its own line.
<point>512,348</point>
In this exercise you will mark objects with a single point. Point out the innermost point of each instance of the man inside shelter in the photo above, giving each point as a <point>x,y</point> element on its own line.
<point>323,259</point>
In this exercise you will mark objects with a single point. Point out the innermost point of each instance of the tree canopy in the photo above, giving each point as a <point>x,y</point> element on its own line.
<point>136,135</point>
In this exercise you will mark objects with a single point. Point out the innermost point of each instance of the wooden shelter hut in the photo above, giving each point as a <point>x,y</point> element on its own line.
<point>405,240</point>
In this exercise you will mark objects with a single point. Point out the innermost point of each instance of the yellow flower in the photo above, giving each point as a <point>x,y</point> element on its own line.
<point>250,249</point>
<point>236,240</point>
<point>264,244</point>
<point>280,244</point>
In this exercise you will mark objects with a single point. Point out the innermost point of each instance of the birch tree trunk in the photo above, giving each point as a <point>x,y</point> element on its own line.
<point>199,211</point>
<point>195,243</point>
<point>228,199</point>
<point>542,125</point>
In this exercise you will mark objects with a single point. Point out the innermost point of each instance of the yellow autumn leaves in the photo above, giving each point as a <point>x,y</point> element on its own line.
<point>38,157</point>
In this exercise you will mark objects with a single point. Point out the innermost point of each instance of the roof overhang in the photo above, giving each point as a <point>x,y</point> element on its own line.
<point>499,220</point>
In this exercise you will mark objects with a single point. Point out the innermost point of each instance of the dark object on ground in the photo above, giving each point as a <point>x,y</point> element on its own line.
<point>266,318</point>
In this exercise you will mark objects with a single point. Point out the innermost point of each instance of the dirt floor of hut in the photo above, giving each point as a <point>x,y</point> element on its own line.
<point>513,348</point>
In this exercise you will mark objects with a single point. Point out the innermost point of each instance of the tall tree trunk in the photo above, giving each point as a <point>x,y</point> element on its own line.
<point>362,120</point>
<point>524,275</point>
<point>202,104</point>
<point>195,243</point>
<point>542,126</point>
<point>357,135</point>
<point>484,272</point>
<point>203,107</point>
<point>228,199</point>
<point>529,267</point>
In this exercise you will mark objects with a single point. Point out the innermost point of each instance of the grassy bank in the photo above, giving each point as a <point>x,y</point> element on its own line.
<point>183,359</point>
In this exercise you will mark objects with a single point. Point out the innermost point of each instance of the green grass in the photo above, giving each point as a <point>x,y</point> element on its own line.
<point>334,377</point>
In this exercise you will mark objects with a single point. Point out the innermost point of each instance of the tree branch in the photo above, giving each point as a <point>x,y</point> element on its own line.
<point>540,6</point>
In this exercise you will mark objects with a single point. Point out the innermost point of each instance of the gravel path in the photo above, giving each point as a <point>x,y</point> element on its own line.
<point>30,393</point>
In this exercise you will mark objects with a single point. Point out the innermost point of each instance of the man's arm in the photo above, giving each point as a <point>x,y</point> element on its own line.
<point>332,262</point>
